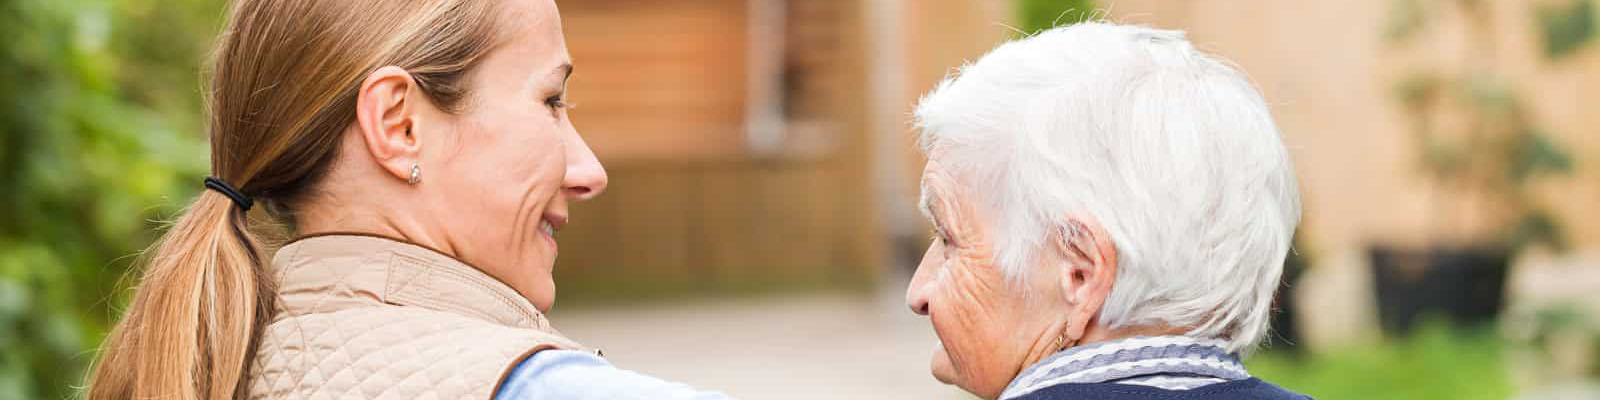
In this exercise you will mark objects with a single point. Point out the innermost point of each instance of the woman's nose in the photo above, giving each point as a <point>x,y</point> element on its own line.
<point>917,292</point>
<point>917,302</point>
<point>586,178</point>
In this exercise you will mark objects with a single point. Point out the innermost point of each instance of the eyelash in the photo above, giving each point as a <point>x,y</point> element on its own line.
<point>557,102</point>
<point>938,236</point>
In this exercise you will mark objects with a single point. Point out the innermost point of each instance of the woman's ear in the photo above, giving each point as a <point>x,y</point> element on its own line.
<point>1091,269</point>
<point>386,117</point>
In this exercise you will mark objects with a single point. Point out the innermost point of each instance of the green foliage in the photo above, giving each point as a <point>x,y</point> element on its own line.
<point>1533,153</point>
<point>1538,227</point>
<point>1405,20</point>
<point>1566,27</point>
<point>99,119</point>
<point>1436,363</point>
<point>1039,15</point>
<point>1501,151</point>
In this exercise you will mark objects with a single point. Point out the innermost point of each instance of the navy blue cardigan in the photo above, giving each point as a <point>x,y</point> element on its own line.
<point>1243,389</point>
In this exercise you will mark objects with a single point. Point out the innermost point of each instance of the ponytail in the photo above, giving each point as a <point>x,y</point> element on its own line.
<point>282,93</point>
<point>189,333</point>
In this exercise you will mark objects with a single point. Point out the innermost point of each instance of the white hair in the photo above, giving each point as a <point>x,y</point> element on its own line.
<point>1171,150</point>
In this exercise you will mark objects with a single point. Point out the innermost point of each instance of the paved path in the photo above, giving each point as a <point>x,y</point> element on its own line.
<point>781,347</point>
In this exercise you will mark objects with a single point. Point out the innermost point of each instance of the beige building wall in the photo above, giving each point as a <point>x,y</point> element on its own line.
<point>915,44</point>
<point>1330,76</point>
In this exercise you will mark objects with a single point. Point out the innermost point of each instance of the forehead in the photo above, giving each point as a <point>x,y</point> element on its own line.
<point>934,175</point>
<point>934,185</point>
<point>533,38</point>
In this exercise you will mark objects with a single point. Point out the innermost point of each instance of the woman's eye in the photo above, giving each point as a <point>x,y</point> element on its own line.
<point>556,102</point>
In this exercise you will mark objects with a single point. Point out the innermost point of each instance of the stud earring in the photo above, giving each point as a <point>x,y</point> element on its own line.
<point>416,173</point>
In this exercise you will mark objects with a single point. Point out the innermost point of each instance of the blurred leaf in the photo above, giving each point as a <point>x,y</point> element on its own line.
<point>1418,90</point>
<point>1491,97</point>
<point>1538,227</point>
<point>1404,21</point>
<point>1534,153</point>
<point>1443,159</point>
<point>1040,15</point>
<point>1562,316</point>
<point>1566,27</point>
<point>100,130</point>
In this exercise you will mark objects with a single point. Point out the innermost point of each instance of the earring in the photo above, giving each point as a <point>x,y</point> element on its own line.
<point>1061,341</point>
<point>416,173</point>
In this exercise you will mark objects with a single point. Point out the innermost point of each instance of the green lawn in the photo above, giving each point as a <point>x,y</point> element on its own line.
<point>1435,363</point>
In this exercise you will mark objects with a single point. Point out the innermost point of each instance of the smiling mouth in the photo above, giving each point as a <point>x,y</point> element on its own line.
<point>547,228</point>
<point>548,225</point>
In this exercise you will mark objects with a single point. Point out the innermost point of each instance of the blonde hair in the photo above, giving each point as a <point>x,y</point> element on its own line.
<point>284,82</point>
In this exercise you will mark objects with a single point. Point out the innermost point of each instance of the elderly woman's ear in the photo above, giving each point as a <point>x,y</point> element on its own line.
<point>1088,270</point>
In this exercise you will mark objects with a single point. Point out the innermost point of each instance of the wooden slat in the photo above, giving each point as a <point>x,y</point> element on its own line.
<point>687,208</point>
<point>660,79</point>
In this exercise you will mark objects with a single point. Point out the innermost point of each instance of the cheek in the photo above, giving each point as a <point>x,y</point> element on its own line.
<point>508,168</point>
<point>522,146</point>
<point>962,317</point>
<point>500,174</point>
<point>512,164</point>
<point>977,317</point>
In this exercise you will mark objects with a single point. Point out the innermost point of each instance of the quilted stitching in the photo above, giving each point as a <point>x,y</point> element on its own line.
<point>386,353</point>
<point>337,344</point>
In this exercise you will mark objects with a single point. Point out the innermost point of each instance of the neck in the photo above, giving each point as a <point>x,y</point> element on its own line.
<point>391,222</point>
<point>357,196</point>
<point>1096,334</point>
<point>1049,344</point>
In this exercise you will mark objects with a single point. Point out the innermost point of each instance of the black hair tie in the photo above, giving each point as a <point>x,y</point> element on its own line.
<point>218,185</point>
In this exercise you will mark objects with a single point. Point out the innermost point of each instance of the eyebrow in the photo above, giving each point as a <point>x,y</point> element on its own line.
<point>925,205</point>
<point>566,71</point>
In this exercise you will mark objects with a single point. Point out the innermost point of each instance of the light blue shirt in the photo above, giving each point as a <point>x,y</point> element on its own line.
<point>567,374</point>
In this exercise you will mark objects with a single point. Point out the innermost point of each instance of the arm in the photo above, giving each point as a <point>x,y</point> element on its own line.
<point>566,374</point>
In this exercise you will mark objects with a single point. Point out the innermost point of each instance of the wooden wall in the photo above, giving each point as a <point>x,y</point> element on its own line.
<point>662,91</point>
<point>659,79</point>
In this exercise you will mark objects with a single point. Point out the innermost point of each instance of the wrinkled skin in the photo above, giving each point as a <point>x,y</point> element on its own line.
<point>991,327</point>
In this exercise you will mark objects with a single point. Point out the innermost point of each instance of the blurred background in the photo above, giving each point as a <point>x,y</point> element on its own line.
<point>759,227</point>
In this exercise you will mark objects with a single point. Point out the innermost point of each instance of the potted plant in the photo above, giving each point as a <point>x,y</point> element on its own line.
<point>1481,150</point>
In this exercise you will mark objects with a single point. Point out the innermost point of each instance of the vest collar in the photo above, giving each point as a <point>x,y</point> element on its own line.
<point>329,273</point>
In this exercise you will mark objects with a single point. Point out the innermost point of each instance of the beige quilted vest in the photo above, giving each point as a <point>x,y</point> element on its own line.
<point>372,318</point>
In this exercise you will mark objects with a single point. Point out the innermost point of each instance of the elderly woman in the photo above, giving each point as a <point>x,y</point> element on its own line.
<point>1112,209</point>
<point>422,152</point>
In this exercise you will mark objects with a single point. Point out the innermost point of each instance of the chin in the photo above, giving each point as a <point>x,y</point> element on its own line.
<point>945,371</point>
<point>942,368</point>
<point>544,302</point>
<point>544,294</point>
<point>537,285</point>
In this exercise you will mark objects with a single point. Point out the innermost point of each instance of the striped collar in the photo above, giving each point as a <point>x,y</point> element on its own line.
<point>1168,362</point>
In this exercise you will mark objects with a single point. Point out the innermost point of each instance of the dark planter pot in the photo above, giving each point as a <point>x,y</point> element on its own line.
<point>1464,285</point>
<point>1285,334</point>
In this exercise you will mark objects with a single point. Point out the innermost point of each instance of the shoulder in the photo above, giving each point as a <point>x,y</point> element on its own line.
<point>1244,389</point>
<point>405,350</point>
<point>378,328</point>
<point>566,374</point>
